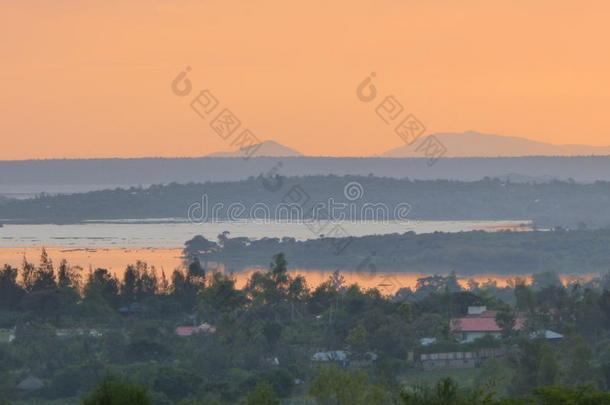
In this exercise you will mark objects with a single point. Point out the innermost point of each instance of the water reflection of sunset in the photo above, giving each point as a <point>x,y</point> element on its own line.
<point>390,283</point>
<point>167,259</point>
<point>112,258</point>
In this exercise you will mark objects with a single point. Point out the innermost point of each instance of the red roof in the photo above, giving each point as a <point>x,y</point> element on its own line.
<point>187,330</point>
<point>191,330</point>
<point>480,324</point>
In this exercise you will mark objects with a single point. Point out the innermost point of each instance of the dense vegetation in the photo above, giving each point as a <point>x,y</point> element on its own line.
<point>467,253</point>
<point>333,386</point>
<point>556,203</point>
<point>73,328</point>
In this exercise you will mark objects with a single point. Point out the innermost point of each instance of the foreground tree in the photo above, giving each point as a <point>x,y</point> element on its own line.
<point>506,321</point>
<point>10,291</point>
<point>584,395</point>
<point>263,394</point>
<point>446,391</point>
<point>336,387</point>
<point>115,391</point>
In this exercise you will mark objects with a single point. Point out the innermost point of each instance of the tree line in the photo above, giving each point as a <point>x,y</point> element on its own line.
<point>74,327</point>
<point>549,204</point>
<point>467,253</point>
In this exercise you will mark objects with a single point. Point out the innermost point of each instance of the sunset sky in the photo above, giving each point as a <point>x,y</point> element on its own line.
<point>93,78</point>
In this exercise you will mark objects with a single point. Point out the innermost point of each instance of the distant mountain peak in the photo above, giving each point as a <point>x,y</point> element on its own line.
<point>266,148</point>
<point>473,143</point>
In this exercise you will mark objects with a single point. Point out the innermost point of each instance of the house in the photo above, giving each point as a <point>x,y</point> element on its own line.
<point>427,341</point>
<point>478,323</point>
<point>192,330</point>
<point>481,322</point>
<point>345,358</point>
<point>548,335</point>
<point>337,355</point>
<point>436,361</point>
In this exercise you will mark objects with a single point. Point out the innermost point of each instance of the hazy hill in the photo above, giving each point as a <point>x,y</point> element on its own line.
<point>549,204</point>
<point>267,148</point>
<point>473,143</point>
<point>29,177</point>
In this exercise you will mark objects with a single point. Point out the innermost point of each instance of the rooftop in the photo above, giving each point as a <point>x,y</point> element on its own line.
<point>480,324</point>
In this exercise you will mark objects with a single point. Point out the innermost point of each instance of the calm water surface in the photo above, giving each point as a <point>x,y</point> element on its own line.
<point>173,235</point>
<point>115,245</point>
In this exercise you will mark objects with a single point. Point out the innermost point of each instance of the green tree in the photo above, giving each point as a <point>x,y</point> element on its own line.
<point>279,268</point>
<point>130,283</point>
<point>357,339</point>
<point>199,245</point>
<point>506,321</point>
<point>28,275</point>
<point>526,300</point>
<point>262,394</point>
<point>186,285</point>
<point>528,364</point>
<point>545,279</point>
<point>68,277</point>
<point>220,296</point>
<point>447,392</point>
<point>104,285</point>
<point>579,355</point>
<point>115,391</point>
<point>333,386</point>
<point>175,383</point>
<point>563,395</point>
<point>195,269</point>
<point>44,276</point>
<point>548,370</point>
<point>10,291</point>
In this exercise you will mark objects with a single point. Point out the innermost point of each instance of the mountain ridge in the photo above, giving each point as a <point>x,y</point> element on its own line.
<point>477,144</point>
<point>266,149</point>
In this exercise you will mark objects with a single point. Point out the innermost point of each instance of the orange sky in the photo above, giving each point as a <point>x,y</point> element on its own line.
<point>92,78</point>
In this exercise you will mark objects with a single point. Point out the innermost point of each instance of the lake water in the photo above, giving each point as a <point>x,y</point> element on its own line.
<point>171,234</point>
<point>114,245</point>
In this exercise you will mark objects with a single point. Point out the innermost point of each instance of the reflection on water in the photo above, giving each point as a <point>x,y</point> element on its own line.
<point>390,283</point>
<point>112,258</point>
<point>116,260</point>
